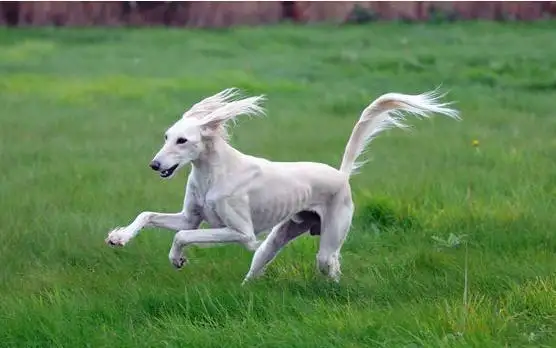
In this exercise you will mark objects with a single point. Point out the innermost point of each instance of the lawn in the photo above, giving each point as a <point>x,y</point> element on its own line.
<point>84,110</point>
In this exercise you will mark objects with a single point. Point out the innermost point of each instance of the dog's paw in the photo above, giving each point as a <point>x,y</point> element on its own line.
<point>118,237</point>
<point>178,262</point>
<point>250,277</point>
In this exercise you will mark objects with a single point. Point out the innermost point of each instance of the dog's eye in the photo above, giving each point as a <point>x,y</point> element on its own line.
<point>181,141</point>
<point>165,137</point>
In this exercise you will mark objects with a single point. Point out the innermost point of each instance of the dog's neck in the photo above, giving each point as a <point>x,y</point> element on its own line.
<point>218,158</point>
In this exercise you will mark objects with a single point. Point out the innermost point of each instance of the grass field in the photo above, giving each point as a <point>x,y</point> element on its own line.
<point>84,110</point>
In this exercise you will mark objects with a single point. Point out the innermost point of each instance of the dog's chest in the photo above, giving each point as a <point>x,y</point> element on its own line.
<point>211,217</point>
<point>208,212</point>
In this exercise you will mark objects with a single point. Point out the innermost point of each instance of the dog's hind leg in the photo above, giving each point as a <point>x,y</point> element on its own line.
<point>280,235</point>
<point>335,227</point>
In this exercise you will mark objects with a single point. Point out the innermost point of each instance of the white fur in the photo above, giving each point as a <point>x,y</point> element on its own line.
<point>241,196</point>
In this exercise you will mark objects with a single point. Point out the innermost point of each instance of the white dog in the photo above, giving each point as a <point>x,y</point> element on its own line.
<point>240,196</point>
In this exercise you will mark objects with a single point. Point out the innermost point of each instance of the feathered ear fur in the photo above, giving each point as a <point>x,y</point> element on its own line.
<point>212,103</point>
<point>215,122</point>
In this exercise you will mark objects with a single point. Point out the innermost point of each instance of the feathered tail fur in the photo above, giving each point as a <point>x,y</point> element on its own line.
<point>387,112</point>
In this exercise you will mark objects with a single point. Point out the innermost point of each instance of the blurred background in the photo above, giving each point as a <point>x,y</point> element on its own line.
<point>223,14</point>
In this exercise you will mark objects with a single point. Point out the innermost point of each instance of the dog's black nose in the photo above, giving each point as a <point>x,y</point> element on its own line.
<point>155,165</point>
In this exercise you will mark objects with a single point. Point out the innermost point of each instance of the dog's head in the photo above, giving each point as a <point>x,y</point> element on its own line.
<point>182,144</point>
<point>186,140</point>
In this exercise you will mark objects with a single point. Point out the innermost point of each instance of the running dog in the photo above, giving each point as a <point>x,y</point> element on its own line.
<point>241,196</point>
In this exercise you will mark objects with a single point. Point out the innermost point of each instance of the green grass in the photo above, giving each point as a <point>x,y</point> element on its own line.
<point>84,110</point>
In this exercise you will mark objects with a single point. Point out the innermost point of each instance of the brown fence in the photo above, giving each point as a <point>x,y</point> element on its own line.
<point>225,14</point>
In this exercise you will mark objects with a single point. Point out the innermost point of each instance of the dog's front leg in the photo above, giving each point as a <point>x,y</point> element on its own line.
<point>178,221</point>
<point>189,218</point>
<point>234,213</point>
<point>209,235</point>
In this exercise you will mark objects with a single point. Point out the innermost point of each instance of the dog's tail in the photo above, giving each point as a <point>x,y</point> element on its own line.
<point>387,112</point>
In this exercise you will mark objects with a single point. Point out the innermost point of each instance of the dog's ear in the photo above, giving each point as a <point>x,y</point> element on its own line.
<point>218,118</point>
<point>211,129</point>
<point>212,103</point>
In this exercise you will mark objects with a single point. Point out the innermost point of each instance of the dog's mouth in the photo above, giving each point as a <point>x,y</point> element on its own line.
<point>168,172</point>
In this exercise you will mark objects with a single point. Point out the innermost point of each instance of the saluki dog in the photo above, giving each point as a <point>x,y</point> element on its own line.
<point>241,196</point>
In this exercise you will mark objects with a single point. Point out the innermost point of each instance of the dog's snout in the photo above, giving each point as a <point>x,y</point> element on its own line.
<point>155,165</point>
